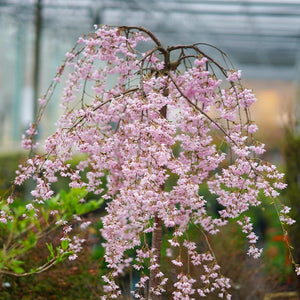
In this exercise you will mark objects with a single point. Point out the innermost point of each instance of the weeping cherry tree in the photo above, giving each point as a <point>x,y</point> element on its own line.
<point>126,111</point>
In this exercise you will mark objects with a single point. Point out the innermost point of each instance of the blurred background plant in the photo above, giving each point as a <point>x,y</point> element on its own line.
<point>292,193</point>
<point>35,243</point>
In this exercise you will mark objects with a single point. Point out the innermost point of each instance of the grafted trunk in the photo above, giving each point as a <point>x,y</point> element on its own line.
<point>157,234</point>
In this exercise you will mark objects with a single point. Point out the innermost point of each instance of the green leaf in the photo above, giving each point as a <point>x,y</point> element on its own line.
<point>18,270</point>
<point>16,266</point>
<point>65,244</point>
<point>45,214</point>
<point>30,241</point>
<point>63,195</point>
<point>88,207</point>
<point>51,250</point>
<point>64,256</point>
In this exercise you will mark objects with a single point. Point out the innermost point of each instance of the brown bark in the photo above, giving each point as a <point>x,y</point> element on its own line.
<point>157,234</point>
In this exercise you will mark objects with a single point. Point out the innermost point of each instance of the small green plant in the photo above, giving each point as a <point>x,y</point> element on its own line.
<point>30,228</point>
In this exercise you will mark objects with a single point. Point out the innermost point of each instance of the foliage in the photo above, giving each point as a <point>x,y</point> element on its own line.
<point>126,111</point>
<point>29,226</point>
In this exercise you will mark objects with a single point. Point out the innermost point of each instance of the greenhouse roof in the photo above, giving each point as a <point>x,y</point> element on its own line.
<point>261,36</point>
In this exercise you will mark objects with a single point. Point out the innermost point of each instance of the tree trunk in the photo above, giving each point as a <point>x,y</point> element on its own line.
<point>157,235</point>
